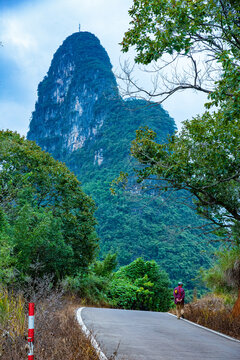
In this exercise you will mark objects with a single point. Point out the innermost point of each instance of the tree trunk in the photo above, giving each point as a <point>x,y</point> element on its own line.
<point>236,308</point>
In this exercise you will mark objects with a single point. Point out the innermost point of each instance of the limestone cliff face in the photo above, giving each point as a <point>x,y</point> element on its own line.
<point>69,108</point>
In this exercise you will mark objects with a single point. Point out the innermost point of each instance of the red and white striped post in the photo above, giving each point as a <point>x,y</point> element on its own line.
<point>30,330</point>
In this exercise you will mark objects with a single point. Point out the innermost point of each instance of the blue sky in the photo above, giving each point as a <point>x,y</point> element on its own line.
<point>14,3</point>
<point>32,30</point>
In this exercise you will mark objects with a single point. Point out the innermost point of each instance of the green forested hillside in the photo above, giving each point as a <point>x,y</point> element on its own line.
<point>131,223</point>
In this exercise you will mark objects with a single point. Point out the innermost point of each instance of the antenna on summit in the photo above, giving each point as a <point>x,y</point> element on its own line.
<point>79,27</point>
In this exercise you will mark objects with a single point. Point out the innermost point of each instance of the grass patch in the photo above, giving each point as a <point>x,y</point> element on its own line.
<point>212,312</point>
<point>57,332</point>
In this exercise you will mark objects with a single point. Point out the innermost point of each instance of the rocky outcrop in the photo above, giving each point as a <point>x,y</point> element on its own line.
<point>69,110</point>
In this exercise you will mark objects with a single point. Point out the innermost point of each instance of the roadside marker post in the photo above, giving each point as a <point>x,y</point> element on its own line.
<point>31,331</point>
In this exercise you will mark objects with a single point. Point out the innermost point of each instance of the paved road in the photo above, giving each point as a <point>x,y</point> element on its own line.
<point>143,335</point>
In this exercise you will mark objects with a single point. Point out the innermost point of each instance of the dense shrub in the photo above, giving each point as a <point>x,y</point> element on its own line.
<point>89,287</point>
<point>123,294</point>
<point>141,285</point>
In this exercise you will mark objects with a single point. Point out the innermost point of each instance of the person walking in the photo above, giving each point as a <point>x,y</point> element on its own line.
<point>179,295</point>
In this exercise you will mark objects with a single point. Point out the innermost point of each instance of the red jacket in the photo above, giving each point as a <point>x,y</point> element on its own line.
<point>179,295</point>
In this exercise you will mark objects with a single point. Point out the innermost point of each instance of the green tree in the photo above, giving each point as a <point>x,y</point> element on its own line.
<point>141,285</point>
<point>105,268</point>
<point>93,283</point>
<point>38,243</point>
<point>6,260</point>
<point>49,219</point>
<point>204,157</point>
<point>193,30</point>
<point>224,276</point>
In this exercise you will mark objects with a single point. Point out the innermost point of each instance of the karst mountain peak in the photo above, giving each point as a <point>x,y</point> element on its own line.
<point>79,79</point>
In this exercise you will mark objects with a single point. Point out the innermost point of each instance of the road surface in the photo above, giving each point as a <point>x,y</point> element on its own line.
<point>143,335</point>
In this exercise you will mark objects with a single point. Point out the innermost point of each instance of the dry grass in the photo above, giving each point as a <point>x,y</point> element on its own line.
<point>57,337</point>
<point>57,332</point>
<point>62,338</point>
<point>211,312</point>
<point>12,317</point>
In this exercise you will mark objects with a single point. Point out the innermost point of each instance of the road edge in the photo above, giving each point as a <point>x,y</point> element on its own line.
<point>205,328</point>
<point>94,343</point>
